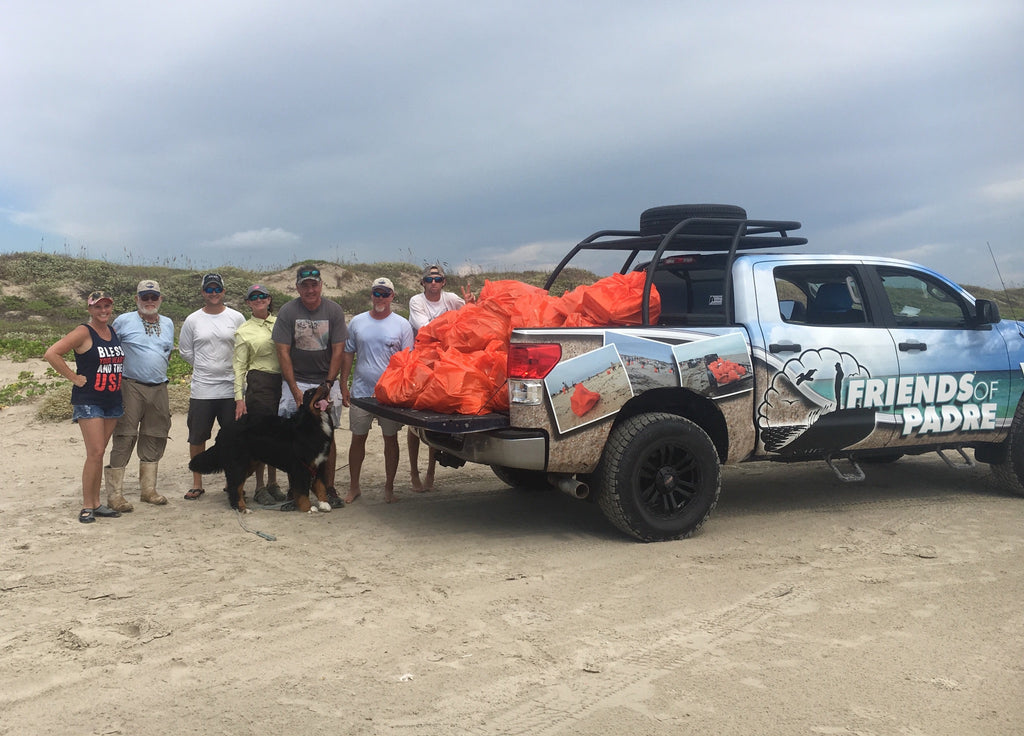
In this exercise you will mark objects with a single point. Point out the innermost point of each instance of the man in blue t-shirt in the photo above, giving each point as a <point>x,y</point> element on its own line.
<point>376,336</point>
<point>148,339</point>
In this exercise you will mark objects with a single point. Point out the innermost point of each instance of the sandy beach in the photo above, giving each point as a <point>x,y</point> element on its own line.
<point>804,606</point>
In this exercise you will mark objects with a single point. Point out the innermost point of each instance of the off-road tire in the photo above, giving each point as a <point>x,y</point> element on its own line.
<point>659,220</point>
<point>1009,474</point>
<point>659,477</point>
<point>519,478</point>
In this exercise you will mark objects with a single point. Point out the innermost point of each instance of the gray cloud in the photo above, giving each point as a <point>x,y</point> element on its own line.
<point>499,134</point>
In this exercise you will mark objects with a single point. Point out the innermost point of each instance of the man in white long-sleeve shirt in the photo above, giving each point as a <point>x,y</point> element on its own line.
<point>207,342</point>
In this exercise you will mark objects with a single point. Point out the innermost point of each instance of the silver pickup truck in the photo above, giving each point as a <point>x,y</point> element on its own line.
<point>755,354</point>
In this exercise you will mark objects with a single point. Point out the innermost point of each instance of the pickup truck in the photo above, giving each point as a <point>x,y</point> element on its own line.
<point>755,354</point>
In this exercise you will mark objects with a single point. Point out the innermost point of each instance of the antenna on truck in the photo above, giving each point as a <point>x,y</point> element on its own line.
<point>1006,292</point>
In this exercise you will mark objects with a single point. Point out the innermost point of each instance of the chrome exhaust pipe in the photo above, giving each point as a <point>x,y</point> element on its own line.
<point>568,484</point>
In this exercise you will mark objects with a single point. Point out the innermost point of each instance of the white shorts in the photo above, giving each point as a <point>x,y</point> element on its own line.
<point>359,421</point>
<point>287,406</point>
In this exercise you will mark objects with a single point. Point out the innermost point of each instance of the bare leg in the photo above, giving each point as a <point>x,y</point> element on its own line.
<point>428,482</point>
<point>391,453</point>
<point>356,453</point>
<point>413,442</point>
<point>193,450</point>
<point>96,434</point>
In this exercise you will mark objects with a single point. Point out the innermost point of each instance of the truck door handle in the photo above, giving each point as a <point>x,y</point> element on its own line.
<point>908,346</point>
<point>784,347</point>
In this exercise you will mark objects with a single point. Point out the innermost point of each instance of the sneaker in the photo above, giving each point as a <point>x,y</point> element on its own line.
<point>334,499</point>
<point>276,491</point>
<point>264,497</point>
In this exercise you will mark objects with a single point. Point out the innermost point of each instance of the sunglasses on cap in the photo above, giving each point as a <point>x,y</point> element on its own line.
<point>149,296</point>
<point>382,293</point>
<point>433,279</point>
<point>309,273</point>
<point>213,289</point>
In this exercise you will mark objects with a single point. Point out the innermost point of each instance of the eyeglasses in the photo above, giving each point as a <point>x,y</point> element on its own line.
<point>257,297</point>
<point>381,294</point>
<point>149,297</point>
<point>309,273</point>
<point>213,290</point>
<point>433,279</point>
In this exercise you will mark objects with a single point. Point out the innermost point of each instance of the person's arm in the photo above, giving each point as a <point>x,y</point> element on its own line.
<point>240,364</point>
<point>337,356</point>
<point>284,357</point>
<point>346,369</point>
<point>54,354</point>
<point>185,347</point>
<point>418,312</point>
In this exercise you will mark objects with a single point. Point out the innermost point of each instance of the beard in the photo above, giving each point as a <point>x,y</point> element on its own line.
<point>378,308</point>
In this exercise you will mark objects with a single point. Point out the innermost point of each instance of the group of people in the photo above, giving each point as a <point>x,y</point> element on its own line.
<point>258,366</point>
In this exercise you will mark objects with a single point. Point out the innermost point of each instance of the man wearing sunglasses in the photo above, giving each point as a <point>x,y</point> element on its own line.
<point>310,337</point>
<point>148,339</point>
<point>432,303</point>
<point>207,342</point>
<point>375,335</point>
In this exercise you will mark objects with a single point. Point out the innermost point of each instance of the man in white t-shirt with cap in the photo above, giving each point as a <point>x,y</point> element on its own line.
<point>432,303</point>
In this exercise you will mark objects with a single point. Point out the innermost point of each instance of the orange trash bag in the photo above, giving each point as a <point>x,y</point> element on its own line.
<point>618,300</point>
<point>405,377</point>
<point>583,400</point>
<point>457,386</point>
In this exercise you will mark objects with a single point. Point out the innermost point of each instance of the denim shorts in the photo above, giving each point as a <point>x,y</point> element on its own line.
<point>91,411</point>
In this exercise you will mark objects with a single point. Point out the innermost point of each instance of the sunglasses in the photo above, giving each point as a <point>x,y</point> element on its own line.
<point>149,297</point>
<point>213,290</point>
<point>310,273</point>
<point>381,294</point>
<point>257,297</point>
<point>433,279</point>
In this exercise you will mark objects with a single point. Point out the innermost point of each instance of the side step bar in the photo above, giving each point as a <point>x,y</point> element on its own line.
<point>856,473</point>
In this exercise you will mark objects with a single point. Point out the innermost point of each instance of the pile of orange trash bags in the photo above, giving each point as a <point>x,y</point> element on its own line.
<point>726,371</point>
<point>458,364</point>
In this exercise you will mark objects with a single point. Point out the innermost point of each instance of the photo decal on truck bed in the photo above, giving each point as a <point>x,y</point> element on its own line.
<point>587,388</point>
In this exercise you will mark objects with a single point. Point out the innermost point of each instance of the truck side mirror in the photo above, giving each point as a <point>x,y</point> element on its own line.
<point>986,312</point>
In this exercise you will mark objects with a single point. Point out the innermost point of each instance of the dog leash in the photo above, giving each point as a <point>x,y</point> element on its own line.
<point>264,535</point>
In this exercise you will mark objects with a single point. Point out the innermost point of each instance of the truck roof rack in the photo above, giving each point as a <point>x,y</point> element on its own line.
<point>691,235</point>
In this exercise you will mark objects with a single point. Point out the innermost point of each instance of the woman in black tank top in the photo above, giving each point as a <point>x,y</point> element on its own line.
<point>95,393</point>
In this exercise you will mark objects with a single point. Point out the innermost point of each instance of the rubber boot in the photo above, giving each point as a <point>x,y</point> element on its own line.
<point>115,489</point>
<point>147,482</point>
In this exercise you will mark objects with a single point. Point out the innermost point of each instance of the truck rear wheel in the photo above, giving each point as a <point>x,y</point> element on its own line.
<point>519,478</point>
<point>659,477</point>
<point>1009,473</point>
<point>659,220</point>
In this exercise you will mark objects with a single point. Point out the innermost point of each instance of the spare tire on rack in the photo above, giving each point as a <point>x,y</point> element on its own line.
<point>659,220</point>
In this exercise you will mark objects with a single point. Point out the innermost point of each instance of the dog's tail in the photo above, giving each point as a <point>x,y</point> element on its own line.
<point>207,462</point>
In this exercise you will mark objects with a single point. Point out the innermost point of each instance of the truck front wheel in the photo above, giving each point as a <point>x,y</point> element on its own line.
<point>1009,473</point>
<point>659,477</point>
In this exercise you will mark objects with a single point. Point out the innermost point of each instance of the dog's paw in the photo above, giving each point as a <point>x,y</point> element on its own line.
<point>312,510</point>
<point>247,511</point>
<point>323,506</point>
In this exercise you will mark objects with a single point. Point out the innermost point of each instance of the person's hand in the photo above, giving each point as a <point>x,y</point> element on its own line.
<point>79,380</point>
<point>297,395</point>
<point>468,295</point>
<point>240,409</point>
<point>346,396</point>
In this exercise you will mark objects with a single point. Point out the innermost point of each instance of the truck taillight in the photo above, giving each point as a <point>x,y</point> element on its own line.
<point>532,360</point>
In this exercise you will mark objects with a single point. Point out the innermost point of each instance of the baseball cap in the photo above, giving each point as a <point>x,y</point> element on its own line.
<point>433,270</point>
<point>212,278</point>
<point>97,296</point>
<point>383,283</point>
<point>308,272</point>
<point>256,289</point>
<point>148,285</point>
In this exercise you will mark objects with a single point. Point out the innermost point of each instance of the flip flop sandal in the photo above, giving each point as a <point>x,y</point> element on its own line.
<point>334,499</point>
<point>195,493</point>
<point>106,512</point>
<point>289,505</point>
<point>86,516</point>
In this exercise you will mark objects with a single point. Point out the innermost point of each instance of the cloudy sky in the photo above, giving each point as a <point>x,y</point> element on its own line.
<point>497,134</point>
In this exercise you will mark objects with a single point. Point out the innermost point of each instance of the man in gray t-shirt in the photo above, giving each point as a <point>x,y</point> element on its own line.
<point>310,337</point>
